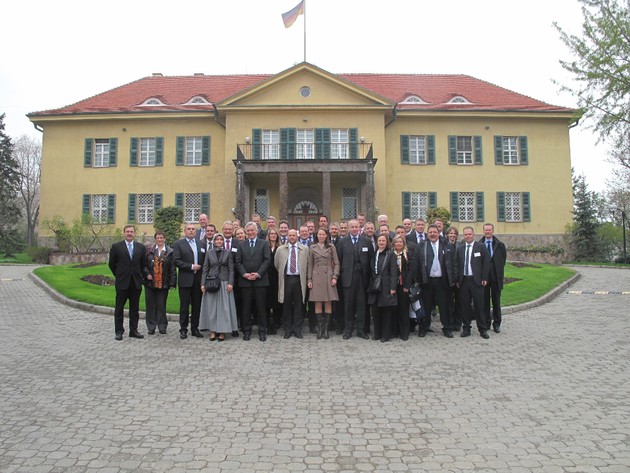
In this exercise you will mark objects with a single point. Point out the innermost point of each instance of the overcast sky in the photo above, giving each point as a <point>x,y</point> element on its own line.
<point>59,52</point>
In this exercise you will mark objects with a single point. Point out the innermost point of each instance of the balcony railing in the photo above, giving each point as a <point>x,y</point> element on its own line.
<point>304,151</point>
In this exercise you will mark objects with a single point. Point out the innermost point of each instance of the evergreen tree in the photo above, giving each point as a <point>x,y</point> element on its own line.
<point>169,220</point>
<point>10,240</point>
<point>585,223</point>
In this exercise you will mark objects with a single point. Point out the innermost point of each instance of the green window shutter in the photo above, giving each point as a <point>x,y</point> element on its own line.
<point>322,143</point>
<point>430,149</point>
<point>111,208</point>
<point>113,152</point>
<point>454,206</point>
<point>353,134</point>
<point>157,203</point>
<point>406,205</point>
<point>288,138</point>
<point>433,200</point>
<point>205,150</point>
<point>498,150</point>
<point>205,203</point>
<point>404,151</point>
<point>524,158</point>
<point>452,150</point>
<point>159,151</point>
<point>87,152</point>
<point>479,200</point>
<point>86,204</point>
<point>500,206</point>
<point>256,143</point>
<point>179,200</point>
<point>527,209</point>
<point>131,209</point>
<point>180,150</point>
<point>133,152</point>
<point>477,150</point>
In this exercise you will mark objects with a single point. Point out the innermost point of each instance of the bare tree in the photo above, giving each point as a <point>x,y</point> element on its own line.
<point>28,153</point>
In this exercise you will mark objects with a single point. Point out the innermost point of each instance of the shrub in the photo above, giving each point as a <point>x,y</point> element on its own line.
<point>39,254</point>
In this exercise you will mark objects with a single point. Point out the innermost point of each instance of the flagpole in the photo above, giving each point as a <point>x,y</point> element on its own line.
<point>304,8</point>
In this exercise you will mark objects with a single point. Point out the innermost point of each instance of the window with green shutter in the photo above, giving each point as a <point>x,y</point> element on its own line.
<point>111,208</point>
<point>257,143</point>
<point>133,152</point>
<point>113,152</point>
<point>205,150</point>
<point>513,207</point>
<point>87,152</point>
<point>510,150</point>
<point>159,151</point>
<point>288,137</point>
<point>322,143</point>
<point>404,152</point>
<point>131,208</point>
<point>180,150</point>
<point>416,204</point>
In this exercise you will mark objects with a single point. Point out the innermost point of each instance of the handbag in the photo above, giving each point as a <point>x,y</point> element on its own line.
<point>375,284</point>
<point>213,283</point>
<point>415,293</point>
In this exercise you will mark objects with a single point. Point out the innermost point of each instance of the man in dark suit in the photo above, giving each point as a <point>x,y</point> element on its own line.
<point>252,263</point>
<point>418,234</point>
<point>189,254</point>
<point>434,267</point>
<point>492,290</point>
<point>355,254</point>
<point>473,265</point>
<point>128,264</point>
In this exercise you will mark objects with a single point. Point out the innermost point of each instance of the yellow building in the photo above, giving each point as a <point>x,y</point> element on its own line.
<point>305,142</point>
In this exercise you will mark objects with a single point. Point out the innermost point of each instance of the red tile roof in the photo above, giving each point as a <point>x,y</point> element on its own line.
<point>435,90</point>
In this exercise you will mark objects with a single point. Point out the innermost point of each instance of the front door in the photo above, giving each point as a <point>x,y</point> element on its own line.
<point>297,220</point>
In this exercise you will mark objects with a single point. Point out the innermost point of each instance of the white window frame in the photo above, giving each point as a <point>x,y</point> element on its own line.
<point>467,207</point>
<point>349,202</point>
<point>191,214</point>
<point>99,208</point>
<point>193,151</point>
<point>339,148</point>
<point>147,152</point>
<point>306,144</point>
<point>101,153</point>
<point>270,144</point>
<point>146,206</point>
<point>417,149</point>
<point>419,205</point>
<point>510,150</point>
<point>464,150</point>
<point>513,207</point>
<point>261,202</point>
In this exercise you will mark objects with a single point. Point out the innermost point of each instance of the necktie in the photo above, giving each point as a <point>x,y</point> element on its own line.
<point>193,247</point>
<point>227,244</point>
<point>419,237</point>
<point>467,261</point>
<point>489,246</point>
<point>293,264</point>
<point>251,243</point>
<point>202,234</point>
<point>284,240</point>
<point>130,247</point>
<point>436,259</point>
<point>354,240</point>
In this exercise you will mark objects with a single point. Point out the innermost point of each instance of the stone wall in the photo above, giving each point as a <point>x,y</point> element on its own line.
<point>57,259</point>
<point>526,240</point>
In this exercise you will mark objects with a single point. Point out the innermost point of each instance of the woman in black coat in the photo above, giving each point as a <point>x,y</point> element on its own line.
<point>163,277</point>
<point>400,318</point>
<point>384,301</point>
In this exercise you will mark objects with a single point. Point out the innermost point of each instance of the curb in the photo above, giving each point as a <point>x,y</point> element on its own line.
<point>551,295</point>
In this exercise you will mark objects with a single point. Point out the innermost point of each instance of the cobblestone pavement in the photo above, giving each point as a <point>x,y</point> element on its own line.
<point>548,394</point>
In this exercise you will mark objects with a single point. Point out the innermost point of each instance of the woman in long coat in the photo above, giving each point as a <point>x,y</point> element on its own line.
<point>323,271</point>
<point>384,302</point>
<point>218,310</point>
<point>163,278</point>
<point>400,317</point>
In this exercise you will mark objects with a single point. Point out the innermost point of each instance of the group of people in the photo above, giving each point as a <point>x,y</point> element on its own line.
<point>354,278</point>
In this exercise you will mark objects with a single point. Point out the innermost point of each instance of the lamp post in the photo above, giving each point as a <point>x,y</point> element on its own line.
<point>623,225</point>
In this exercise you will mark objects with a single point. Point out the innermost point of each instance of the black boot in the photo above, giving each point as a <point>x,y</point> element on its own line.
<point>320,325</point>
<point>326,322</point>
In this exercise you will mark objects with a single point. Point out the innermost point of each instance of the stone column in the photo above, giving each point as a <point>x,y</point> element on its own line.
<point>283,185</point>
<point>326,194</point>
<point>239,209</point>
<point>370,210</point>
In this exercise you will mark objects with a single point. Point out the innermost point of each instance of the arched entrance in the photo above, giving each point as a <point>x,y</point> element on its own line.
<point>302,212</point>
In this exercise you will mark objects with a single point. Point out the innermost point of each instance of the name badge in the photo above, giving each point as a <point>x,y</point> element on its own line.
<point>203,250</point>
<point>476,255</point>
<point>364,249</point>
<point>234,250</point>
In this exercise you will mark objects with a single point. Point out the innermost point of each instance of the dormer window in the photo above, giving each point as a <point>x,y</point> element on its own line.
<point>197,100</point>
<point>459,100</point>
<point>152,102</point>
<point>414,99</point>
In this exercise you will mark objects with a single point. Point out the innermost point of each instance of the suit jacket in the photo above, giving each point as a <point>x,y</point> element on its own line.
<point>256,261</point>
<point>413,236</point>
<point>420,267</point>
<point>128,270</point>
<point>198,235</point>
<point>497,260</point>
<point>354,258</point>
<point>479,262</point>
<point>282,259</point>
<point>184,259</point>
<point>388,269</point>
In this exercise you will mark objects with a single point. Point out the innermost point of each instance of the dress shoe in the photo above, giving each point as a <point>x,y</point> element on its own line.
<point>183,335</point>
<point>422,333</point>
<point>163,332</point>
<point>430,330</point>
<point>287,336</point>
<point>404,339</point>
<point>119,336</point>
<point>375,338</point>
<point>262,337</point>
<point>465,333</point>
<point>346,336</point>
<point>246,337</point>
<point>484,335</point>
<point>299,335</point>
<point>221,338</point>
<point>384,340</point>
<point>197,334</point>
<point>235,333</point>
<point>135,335</point>
<point>364,336</point>
<point>151,332</point>
<point>497,329</point>
<point>448,334</point>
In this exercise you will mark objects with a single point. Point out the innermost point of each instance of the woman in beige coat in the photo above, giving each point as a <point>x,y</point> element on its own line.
<point>323,271</point>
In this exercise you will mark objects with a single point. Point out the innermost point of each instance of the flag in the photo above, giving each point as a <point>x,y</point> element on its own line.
<point>289,17</point>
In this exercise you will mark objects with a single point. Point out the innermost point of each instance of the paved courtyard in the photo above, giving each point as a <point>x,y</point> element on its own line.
<point>551,393</point>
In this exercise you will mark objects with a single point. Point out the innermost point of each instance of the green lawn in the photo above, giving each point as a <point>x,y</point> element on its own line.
<point>536,281</point>
<point>20,258</point>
